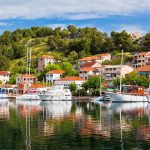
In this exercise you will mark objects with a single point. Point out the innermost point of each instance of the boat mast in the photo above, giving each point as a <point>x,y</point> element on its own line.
<point>121,71</point>
<point>100,83</point>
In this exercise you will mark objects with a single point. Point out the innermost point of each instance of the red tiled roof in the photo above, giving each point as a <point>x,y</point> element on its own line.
<point>4,73</point>
<point>74,78</point>
<point>56,72</point>
<point>87,69</point>
<point>88,64</point>
<point>144,68</point>
<point>36,85</point>
<point>47,56</point>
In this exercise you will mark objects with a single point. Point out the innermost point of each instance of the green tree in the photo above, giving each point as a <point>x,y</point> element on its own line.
<point>73,87</point>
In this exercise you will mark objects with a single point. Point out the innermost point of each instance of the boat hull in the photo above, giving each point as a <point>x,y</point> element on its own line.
<point>116,97</point>
<point>54,98</point>
<point>28,97</point>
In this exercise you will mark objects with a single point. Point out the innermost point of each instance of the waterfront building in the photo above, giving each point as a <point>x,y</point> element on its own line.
<point>36,87</point>
<point>4,76</point>
<point>26,78</point>
<point>54,75</point>
<point>44,60</point>
<point>141,59</point>
<point>111,72</point>
<point>66,81</point>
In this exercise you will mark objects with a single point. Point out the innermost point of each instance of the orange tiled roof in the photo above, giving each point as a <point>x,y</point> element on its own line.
<point>47,56</point>
<point>144,68</point>
<point>90,58</point>
<point>36,85</point>
<point>74,78</point>
<point>143,53</point>
<point>27,75</point>
<point>88,64</point>
<point>87,69</point>
<point>56,72</point>
<point>6,73</point>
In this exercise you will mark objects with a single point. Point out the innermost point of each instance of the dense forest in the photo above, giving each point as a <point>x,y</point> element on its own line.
<point>67,44</point>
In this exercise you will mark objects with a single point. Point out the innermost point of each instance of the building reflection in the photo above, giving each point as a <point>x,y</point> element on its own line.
<point>4,110</point>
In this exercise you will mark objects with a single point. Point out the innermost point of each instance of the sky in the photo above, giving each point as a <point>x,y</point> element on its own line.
<point>105,15</point>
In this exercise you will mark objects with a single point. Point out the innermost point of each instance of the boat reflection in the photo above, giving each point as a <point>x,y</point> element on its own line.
<point>4,109</point>
<point>56,109</point>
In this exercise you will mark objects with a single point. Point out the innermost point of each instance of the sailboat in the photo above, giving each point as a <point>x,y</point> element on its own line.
<point>136,94</point>
<point>28,96</point>
<point>100,98</point>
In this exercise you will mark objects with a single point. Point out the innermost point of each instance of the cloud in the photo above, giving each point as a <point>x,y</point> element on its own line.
<point>57,25</point>
<point>132,28</point>
<point>5,24</point>
<point>70,9</point>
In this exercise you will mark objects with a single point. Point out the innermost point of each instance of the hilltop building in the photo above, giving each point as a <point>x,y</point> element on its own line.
<point>44,60</point>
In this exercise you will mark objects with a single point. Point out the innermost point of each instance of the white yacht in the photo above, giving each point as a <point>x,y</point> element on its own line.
<point>28,97</point>
<point>56,93</point>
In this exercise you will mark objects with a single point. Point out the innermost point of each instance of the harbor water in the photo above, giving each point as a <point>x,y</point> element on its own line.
<point>67,125</point>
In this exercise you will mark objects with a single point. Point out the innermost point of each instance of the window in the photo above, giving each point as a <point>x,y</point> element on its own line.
<point>114,68</point>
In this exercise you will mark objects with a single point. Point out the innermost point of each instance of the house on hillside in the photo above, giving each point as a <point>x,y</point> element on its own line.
<point>4,76</point>
<point>44,60</point>
<point>144,70</point>
<point>87,72</point>
<point>36,87</point>
<point>26,78</point>
<point>111,72</point>
<point>65,82</point>
<point>96,58</point>
<point>54,75</point>
<point>141,59</point>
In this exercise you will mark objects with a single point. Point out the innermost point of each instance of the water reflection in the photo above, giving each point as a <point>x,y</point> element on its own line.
<point>4,109</point>
<point>77,125</point>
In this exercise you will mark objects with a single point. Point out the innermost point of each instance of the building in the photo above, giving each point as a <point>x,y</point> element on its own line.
<point>87,72</point>
<point>89,69</point>
<point>141,59</point>
<point>111,72</point>
<point>104,56</point>
<point>53,75</point>
<point>97,58</point>
<point>135,35</point>
<point>65,82</point>
<point>144,70</point>
<point>44,60</point>
<point>4,76</point>
<point>36,87</point>
<point>26,78</point>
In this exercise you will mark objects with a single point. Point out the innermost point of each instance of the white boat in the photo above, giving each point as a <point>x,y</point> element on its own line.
<point>28,97</point>
<point>56,109</point>
<point>120,97</point>
<point>3,96</point>
<point>128,107</point>
<point>56,93</point>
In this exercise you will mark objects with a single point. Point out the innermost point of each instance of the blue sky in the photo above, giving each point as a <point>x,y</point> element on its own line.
<point>107,15</point>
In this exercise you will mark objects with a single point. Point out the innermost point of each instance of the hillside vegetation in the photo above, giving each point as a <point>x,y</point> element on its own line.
<point>67,45</point>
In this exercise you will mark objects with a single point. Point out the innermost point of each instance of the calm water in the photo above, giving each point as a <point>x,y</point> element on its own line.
<point>74,126</point>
